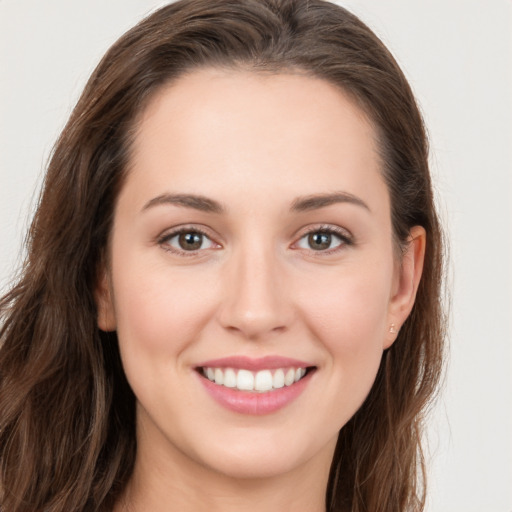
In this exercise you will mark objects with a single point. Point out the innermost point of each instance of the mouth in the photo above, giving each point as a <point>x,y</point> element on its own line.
<point>261,381</point>
<point>254,386</point>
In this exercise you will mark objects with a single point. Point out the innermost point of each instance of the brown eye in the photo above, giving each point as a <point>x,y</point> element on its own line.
<point>319,241</point>
<point>323,240</point>
<point>187,241</point>
<point>190,241</point>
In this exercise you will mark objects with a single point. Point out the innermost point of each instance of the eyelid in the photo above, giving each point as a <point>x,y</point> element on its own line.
<point>186,228</point>
<point>343,234</point>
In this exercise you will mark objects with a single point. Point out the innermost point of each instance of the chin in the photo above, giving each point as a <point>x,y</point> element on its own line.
<point>266,456</point>
<point>259,466</point>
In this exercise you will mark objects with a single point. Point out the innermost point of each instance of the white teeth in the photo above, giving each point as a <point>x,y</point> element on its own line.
<point>245,380</point>
<point>289,378</point>
<point>278,379</point>
<point>230,378</point>
<point>262,381</point>
<point>219,376</point>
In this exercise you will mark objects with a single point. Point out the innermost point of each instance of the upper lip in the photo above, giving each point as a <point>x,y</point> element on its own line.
<point>254,364</point>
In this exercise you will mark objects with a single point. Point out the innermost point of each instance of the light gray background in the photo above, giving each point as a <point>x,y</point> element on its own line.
<point>457,56</point>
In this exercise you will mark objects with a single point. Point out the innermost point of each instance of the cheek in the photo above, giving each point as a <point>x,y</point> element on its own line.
<point>159,317</point>
<point>158,313</point>
<point>349,310</point>
<point>349,320</point>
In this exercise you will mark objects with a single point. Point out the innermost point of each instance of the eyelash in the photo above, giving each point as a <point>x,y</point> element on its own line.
<point>344,237</point>
<point>164,240</point>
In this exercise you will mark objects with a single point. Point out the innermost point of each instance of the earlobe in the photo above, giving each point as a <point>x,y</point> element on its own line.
<point>408,279</point>
<point>106,317</point>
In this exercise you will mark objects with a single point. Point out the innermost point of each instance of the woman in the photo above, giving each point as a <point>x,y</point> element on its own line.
<point>232,293</point>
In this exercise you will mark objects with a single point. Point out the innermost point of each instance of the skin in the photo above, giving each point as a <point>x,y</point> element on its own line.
<point>254,144</point>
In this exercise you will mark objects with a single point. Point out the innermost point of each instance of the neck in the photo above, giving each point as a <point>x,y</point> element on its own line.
<point>171,482</point>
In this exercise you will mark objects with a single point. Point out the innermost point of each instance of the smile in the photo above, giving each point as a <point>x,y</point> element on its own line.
<point>255,386</point>
<point>259,382</point>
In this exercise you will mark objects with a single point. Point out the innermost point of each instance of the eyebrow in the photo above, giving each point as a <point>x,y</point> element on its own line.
<point>301,204</point>
<point>316,201</point>
<point>196,202</point>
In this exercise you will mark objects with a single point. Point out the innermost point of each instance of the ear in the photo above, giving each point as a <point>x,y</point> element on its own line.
<point>407,280</point>
<point>104,303</point>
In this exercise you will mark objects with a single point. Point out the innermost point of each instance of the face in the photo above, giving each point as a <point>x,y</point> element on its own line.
<point>252,279</point>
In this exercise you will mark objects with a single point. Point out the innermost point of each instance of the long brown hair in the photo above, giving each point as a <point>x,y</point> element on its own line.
<point>67,434</point>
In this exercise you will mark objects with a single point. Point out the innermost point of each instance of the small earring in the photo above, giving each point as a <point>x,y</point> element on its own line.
<point>392,329</point>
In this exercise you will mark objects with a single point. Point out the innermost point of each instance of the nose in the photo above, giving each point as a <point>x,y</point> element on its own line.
<point>256,302</point>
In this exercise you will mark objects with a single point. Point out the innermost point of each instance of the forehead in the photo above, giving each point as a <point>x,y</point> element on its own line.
<point>213,129</point>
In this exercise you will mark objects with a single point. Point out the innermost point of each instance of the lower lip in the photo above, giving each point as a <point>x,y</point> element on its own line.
<point>245,402</point>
